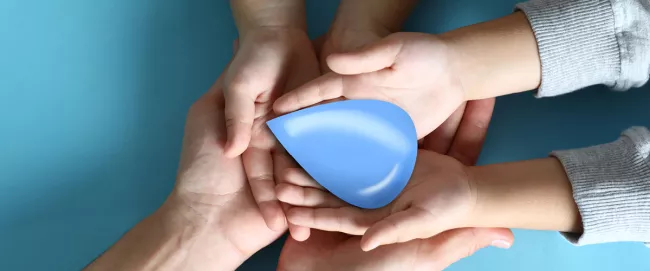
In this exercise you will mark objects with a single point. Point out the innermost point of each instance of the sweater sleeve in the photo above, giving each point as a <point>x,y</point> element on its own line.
<point>611,186</point>
<point>590,42</point>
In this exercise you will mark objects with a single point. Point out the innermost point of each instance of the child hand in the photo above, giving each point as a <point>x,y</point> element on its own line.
<point>440,196</point>
<point>412,70</point>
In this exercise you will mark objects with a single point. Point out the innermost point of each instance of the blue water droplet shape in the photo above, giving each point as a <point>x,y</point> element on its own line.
<point>362,151</point>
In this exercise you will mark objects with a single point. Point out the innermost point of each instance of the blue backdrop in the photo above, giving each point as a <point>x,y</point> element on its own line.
<point>93,96</point>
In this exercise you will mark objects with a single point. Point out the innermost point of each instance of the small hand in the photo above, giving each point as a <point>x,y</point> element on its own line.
<point>440,196</point>
<point>339,251</point>
<point>268,61</point>
<point>411,70</point>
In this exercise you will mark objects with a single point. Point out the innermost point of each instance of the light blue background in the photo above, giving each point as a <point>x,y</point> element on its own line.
<point>93,96</point>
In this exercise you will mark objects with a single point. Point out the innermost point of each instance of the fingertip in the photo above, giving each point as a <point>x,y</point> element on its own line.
<point>237,142</point>
<point>282,105</point>
<point>298,216</point>
<point>273,216</point>
<point>299,233</point>
<point>368,244</point>
<point>282,191</point>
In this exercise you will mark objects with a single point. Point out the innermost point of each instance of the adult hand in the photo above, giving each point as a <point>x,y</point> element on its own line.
<point>268,61</point>
<point>212,190</point>
<point>210,221</point>
<point>337,251</point>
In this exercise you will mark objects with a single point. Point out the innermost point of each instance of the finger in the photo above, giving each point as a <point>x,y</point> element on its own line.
<point>307,196</point>
<point>399,227</point>
<point>299,177</point>
<point>471,131</point>
<point>441,138</point>
<point>326,87</point>
<point>239,112</point>
<point>453,245</point>
<point>298,233</point>
<point>350,220</point>
<point>258,164</point>
<point>373,57</point>
<point>281,161</point>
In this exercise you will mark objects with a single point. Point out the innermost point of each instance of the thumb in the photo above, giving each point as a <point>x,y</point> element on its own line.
<point>373,57</point>
<point>403,226</point>
<point>239,113</point>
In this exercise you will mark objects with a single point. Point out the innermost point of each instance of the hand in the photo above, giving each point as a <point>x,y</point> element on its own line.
<point>434,253</point>
<point>210,220</point>
<point>337,251</point>
<point>462,135</point>
<point>440,196</point>
<point>411,70</point>
<point>211,191</point>
<point>269,61</point>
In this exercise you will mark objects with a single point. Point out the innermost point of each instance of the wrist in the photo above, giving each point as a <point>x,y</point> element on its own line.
<point>283,36</point>
<point>198,235</point>
<point>495,58</point>
<point>382,17</point>
<point>533,194</point>
<point>254,14</point>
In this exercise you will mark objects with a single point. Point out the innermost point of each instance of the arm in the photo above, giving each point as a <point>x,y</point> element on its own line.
<point>556,46</point>
<point>163,241</point>
<point>382,17</point>
<point>210,221</point>
<point>600,194</point>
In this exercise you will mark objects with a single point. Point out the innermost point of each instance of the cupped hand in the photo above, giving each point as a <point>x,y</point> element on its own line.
<point>411,70</point>
<point>337,251</point>
<point>439,196</point>
<point>340,251</point>
<point>268,61</point>
<point>211,192</point>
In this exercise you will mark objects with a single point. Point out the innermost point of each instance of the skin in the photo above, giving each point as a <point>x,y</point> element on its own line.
<point>275,56</point>
<point>416,71</point>
<point>211,221</point>
<point>429,76</point>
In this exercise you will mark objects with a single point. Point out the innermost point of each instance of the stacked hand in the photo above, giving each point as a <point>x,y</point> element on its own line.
<point>395,70</point>
<point>268,61</point>
<point>460,136</point>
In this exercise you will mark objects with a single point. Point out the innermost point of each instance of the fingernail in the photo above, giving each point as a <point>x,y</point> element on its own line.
<point>501,244</point>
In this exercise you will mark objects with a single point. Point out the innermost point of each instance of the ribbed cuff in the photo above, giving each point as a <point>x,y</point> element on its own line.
<point>576,41</point>
<point>611,186</point>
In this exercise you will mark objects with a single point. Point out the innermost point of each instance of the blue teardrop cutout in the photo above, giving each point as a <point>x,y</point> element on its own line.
<point>362,151</point>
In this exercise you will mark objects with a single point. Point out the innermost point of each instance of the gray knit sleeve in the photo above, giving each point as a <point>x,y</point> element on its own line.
<point>590,42</point>
<point>611,186</point>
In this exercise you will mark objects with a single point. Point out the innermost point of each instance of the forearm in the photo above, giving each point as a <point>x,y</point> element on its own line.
<point>495,58</point>
<point>164,241</point>
<point>556,47</point>
<point>597,194</point>
<point>533,194</point>
<point>251,14</point>
<point>380,16</point>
